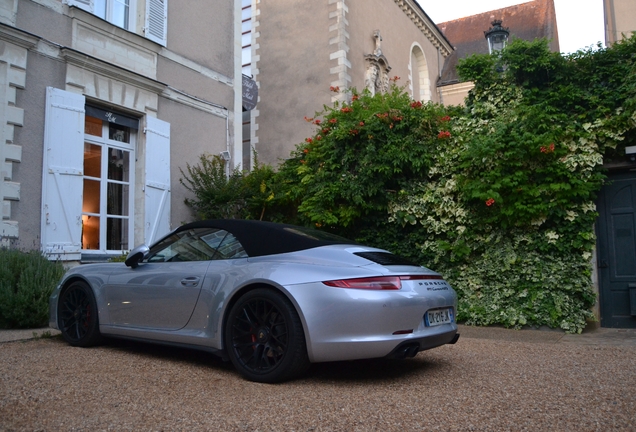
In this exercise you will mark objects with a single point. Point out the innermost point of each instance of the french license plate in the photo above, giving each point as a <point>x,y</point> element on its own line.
<point>438,317</point>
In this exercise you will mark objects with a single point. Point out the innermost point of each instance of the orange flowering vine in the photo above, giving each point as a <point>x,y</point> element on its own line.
<point>548,149</point>
<point>333,120</point>
<point>317,121</point>
<point>309,140</point>
<point>444,135</point>
<point>346,110</point>
<point>334,89</point>
<point>309,119</point>
<point>490,201</point>
<point>416,104</point>
<point>445,118</point>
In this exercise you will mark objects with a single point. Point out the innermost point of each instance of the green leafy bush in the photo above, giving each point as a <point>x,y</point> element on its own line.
<point>498,196</point>
<point>219,195</point>
<point>26,283</point>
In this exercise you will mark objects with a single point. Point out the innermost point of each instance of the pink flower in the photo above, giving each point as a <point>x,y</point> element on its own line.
<point>490,201</point>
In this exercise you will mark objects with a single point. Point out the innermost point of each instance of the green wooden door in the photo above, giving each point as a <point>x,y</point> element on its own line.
<point>616,231</point>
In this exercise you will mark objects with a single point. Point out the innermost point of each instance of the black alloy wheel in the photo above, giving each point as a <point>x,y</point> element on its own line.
<point>77,315</point>
<point>264,337</point>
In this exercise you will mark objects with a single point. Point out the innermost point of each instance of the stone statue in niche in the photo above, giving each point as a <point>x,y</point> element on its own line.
<point>372,78</point>
<point>376,77</point>
<point>378,43</point>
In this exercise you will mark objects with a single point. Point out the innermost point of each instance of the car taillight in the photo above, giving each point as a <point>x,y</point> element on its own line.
<point>371,283</point>
<point>379,282</point>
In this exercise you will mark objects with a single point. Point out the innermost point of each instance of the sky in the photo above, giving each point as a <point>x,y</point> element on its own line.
<point>580,22</point>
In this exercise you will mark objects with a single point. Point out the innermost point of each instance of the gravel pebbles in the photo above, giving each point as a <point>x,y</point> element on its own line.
<point>477,384</point>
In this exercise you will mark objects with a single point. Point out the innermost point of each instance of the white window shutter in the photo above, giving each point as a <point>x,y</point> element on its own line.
<point>157,183</point>
<point>62,178</point>
<point>157,21</point>
<point>87,5</point>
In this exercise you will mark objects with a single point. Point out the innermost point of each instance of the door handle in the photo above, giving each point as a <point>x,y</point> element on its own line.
<point>191,281</point>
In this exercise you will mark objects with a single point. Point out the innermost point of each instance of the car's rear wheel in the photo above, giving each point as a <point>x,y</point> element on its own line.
<point>77,312</point>
<point>264,337</point>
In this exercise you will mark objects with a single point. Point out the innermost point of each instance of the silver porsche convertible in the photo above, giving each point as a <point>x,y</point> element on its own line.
<point>270,298</point>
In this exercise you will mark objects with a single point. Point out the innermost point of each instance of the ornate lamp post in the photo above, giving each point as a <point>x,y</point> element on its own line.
<point>497,36</point>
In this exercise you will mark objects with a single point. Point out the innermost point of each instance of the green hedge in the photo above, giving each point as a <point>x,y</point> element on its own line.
<point>27,280</point>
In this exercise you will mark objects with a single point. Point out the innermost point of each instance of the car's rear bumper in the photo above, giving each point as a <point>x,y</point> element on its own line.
<point>351,324</point>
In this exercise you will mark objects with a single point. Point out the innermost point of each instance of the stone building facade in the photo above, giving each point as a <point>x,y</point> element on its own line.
<point>297,56</point>
<point>102,102</point>
<point>620,19</point>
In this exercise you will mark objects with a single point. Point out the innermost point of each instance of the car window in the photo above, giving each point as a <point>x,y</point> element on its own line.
<point>198,244</point>
<point>230,248</point>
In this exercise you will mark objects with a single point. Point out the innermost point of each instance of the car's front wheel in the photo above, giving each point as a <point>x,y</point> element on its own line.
<point>264,337</point>
<point>77,312</point>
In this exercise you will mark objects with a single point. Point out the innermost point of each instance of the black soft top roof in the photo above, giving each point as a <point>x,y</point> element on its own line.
<point>267,238</point>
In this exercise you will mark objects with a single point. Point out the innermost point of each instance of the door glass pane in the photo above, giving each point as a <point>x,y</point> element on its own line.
<point>118,165</point>
<point>92,160</point>
<point>117,199</point>
<point>118,133</point>
<point>90,232</point>
<point>117,234</point>
<point>92,126</point>
<point>91,196</point>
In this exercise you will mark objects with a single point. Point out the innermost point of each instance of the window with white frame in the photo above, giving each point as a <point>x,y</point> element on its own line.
<point>88,181</point>
<point>246,37</point>
<point>114,11</point>
<point>123,13</point>
<point>109,154</point>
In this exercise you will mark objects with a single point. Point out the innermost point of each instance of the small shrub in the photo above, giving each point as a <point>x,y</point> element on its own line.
<point>27,280</point>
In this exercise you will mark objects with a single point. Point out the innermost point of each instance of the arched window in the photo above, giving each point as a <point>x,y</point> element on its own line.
<point>420,82</point>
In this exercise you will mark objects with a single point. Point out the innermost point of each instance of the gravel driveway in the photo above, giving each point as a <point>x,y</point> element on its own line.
<point>477,384</point>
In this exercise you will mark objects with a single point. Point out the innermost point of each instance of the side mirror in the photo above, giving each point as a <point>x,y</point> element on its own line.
<point>137,255</point>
